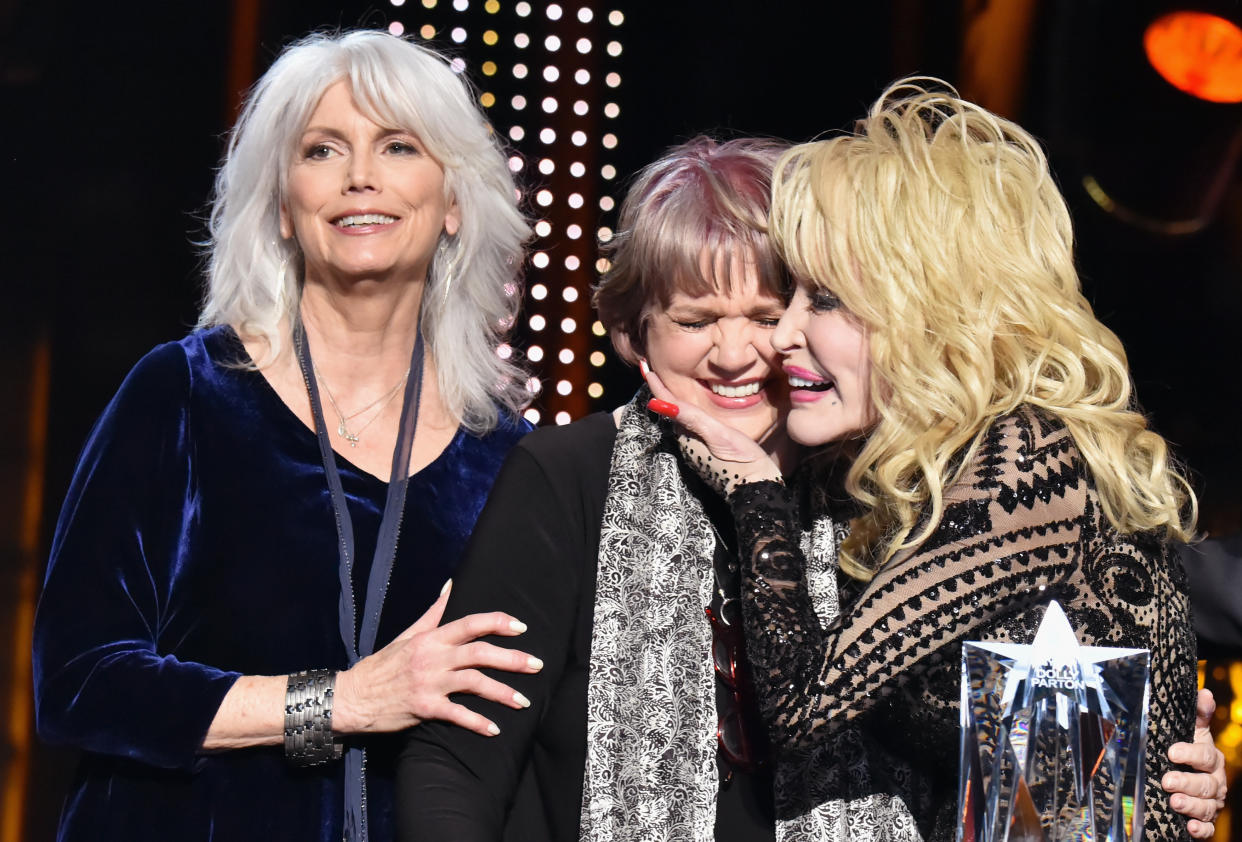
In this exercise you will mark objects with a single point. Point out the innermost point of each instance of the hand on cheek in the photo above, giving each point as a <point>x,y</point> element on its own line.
<point>722,456</point>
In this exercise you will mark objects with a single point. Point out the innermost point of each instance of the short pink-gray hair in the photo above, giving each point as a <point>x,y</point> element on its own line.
<point>701,198</point>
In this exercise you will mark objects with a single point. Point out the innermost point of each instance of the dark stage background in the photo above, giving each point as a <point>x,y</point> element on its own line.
<point>113,117</point>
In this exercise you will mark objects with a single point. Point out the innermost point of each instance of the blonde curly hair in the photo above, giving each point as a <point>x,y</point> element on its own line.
<point>939,227</point>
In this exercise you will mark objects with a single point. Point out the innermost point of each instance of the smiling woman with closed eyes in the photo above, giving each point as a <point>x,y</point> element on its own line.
<point>264,518</point>
<point>643,723</point>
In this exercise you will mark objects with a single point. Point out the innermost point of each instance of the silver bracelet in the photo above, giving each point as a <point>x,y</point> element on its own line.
<point>309,740</point>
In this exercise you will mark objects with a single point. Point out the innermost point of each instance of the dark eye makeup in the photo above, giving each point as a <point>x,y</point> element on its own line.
<point>823,301</point>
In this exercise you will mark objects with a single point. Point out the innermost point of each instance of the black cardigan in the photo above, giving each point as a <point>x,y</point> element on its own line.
<point>533,555</point>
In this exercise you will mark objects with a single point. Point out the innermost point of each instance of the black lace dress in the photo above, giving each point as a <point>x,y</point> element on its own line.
<point>1023,526</point>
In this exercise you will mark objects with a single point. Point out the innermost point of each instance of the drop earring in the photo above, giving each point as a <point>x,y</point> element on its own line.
<point>446,266</point>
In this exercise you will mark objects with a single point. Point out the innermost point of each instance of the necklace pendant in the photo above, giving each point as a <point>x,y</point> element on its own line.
<point>343,432</point>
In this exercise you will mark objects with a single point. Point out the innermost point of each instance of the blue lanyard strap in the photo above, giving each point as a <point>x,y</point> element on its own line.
<point>358,646</point>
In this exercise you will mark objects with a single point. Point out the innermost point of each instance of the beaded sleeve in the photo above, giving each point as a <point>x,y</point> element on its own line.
<point>1020,527</point>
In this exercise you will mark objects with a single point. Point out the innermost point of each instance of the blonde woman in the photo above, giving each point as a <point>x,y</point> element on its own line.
<point>993,459</point>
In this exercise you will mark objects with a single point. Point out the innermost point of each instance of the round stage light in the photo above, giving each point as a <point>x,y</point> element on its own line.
<point>1198,53</point>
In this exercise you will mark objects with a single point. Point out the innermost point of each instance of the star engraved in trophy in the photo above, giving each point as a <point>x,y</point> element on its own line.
<point>1053,738</point>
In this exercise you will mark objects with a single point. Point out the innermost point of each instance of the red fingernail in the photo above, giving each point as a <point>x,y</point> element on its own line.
<point>668,410</point>
<point>643,368</point>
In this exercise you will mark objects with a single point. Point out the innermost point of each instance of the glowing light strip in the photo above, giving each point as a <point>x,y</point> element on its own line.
<point>560,73</point>
<point>20,715</point>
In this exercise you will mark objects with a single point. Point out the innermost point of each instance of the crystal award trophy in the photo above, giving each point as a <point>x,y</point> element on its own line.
<point>1053,739</point>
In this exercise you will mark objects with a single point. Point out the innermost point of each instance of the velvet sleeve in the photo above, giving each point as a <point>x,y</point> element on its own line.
<point>104,679</point>
<point>526,558</point>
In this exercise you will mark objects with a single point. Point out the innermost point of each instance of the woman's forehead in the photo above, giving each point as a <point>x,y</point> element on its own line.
<point>724,271</point>
<point>744,290</point>
<point>372,102</point>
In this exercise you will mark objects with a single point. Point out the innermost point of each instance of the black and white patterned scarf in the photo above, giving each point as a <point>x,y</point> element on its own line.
<point>651,708</point>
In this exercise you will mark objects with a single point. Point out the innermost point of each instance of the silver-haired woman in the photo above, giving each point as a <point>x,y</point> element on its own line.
<point>266,507</point>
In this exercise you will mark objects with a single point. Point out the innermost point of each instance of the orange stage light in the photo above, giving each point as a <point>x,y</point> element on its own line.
<point>1198,53</point>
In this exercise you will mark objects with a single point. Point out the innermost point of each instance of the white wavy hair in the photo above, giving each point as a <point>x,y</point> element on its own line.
<point>473,286</point>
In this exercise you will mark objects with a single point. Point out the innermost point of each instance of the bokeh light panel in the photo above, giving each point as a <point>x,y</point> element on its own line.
<point>546,75</point>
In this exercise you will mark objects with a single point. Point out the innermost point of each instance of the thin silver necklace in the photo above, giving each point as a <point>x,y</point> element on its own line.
<point>342,428</point>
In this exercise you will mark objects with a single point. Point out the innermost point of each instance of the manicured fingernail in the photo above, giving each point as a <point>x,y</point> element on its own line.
<point>448,584</point>
<point>492,729</point>
<point>517,625</point>
<point>534,663</point>
<point>521,700</point>
<point>643,367</point>
<point>668,410</point>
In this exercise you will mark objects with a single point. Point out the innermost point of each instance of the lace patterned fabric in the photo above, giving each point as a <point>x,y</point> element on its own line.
<point>651,717</point>
<point>848,787</point>
<point>1023,526</point>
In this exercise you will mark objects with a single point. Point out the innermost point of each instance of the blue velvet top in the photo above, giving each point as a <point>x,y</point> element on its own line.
<point>197,543</point>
